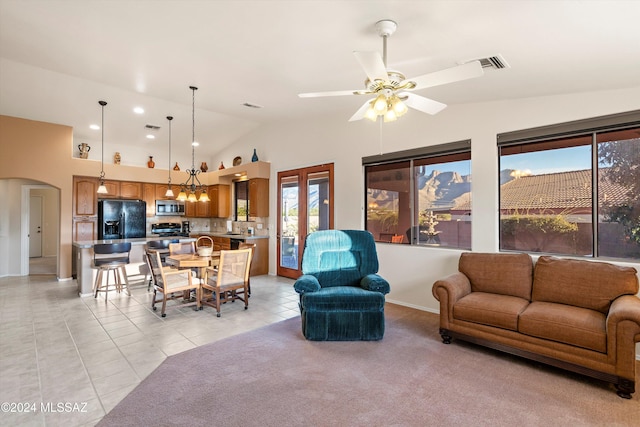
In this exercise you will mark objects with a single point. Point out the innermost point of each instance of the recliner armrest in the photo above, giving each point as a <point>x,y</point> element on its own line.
<point>374,282</point>
<point>306,283</point>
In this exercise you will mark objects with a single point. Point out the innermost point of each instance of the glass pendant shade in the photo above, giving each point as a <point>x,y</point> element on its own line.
<point>182,196</point>
<point>102,189</point>
<point>204,197</point>
<point>192,197</point>
<point>169,193</point>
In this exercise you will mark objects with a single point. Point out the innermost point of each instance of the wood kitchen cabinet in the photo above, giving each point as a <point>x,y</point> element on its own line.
<point>161,191</point>
<point>259,197</point>
<point>85,196</point>
<point>85,208</point>
<point>149,197</point>
<point>221,243</point>
<point>131,190</point>
<point>113,189</point>
<point>220,196</point>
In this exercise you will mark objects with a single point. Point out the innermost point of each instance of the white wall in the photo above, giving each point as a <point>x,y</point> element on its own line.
<point>412,270</point>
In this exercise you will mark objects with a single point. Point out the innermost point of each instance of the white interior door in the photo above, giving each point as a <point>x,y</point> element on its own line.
<point>35,226</point>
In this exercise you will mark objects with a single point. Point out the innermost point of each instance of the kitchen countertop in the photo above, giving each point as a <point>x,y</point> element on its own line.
<point>86,244</point>
<point>231,236</point>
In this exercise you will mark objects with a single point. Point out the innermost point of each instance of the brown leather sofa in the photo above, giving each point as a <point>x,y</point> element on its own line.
<point>582,316</point>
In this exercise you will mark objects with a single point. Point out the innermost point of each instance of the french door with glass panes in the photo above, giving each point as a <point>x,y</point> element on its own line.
<point>305,205</point>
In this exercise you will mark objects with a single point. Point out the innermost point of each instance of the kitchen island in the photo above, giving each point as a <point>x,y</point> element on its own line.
<point>83,259</point>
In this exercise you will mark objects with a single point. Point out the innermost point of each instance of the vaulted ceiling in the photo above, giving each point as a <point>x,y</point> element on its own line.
<point>59,57</point>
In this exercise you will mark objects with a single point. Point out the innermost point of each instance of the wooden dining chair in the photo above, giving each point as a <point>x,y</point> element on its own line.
<point>171,283</point>
<point>182,248</point>
<point>252,246</point>
<point>230,281</point>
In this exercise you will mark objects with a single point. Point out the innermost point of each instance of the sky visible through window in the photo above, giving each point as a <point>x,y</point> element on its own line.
<point>549,161</point>
<point>534,163</point>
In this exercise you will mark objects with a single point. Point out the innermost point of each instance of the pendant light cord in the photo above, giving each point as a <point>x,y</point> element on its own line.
<point>102,103</point>
<point>193,126</point>
<point>169,118</point>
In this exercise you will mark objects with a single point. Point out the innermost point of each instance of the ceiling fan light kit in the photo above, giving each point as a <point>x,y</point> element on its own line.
<point>391,89</point>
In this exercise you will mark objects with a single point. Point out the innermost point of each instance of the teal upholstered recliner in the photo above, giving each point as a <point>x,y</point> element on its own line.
<point>341,296</point>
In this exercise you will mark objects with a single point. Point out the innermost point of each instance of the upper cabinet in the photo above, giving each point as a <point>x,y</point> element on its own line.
<point>259,197</point>
<point>149,196</point>
<point>85,197</point>
<point>161,191</point>
<point>220,196</point>
<point>113,189</point>
<point>131,190</point>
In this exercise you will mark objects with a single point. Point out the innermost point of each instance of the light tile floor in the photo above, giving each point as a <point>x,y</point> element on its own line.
<point>66,360</point>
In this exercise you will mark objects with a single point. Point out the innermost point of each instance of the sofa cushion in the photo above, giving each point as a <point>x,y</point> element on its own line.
<point>496,310</point>
<point>564,323</point>
<point>587,284</point>
<point>506,274</point>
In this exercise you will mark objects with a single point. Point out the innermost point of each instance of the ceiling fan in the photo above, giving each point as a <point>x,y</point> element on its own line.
<point>391,89</point>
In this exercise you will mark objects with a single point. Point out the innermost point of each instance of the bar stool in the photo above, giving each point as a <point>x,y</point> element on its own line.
<point>111,257</point>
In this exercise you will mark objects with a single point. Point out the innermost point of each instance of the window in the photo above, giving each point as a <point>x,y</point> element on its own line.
<point>550,178</point>
<point>421,197</point>
<point>241,199</point>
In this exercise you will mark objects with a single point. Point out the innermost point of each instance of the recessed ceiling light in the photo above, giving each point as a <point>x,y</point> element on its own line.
<point>151,136</point>
<point>195,143</point>
<point>138,110</point>
<point>94,127</point>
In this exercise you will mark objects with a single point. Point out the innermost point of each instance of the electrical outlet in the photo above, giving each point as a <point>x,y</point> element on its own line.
<point>259,226</point>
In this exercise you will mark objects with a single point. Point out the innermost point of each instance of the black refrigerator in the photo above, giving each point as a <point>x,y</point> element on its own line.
<point>122,219</point>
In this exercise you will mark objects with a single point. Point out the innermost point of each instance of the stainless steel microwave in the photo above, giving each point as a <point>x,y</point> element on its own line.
<point>169,207</point>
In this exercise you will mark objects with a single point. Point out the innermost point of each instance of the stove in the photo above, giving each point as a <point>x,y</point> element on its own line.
<point>168,229</point>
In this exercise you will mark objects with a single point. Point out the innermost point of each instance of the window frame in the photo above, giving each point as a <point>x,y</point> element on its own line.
<point>547,135</point>
<point>441,153</point>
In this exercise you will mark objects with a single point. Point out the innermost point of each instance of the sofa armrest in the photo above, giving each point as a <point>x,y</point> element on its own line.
<point>448,291</point>
<point>306,283</point>
<point>623,331</point>
<point>374,282</point>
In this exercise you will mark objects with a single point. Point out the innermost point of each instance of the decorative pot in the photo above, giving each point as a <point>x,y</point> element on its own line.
<point>221,166</point>
<point>254,158</point>
<point>84,150</point>
<point>176,167</point>
<point>151,164</point>
<point>204,167</point>
<point>116,158</point>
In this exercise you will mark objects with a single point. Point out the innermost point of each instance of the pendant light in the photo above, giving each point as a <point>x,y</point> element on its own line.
<point>169,192</point>
<point>192,184</point>
<point>102,189</point>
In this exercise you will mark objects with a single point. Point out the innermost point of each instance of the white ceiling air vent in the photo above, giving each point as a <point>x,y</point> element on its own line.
<point>152,127</point>
<point>497,62</point>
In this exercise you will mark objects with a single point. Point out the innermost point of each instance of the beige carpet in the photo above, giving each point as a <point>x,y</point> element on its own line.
<point>274,377</point>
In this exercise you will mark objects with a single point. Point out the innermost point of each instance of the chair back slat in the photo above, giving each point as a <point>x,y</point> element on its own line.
<point>182,248</point>
<point>234,267</point>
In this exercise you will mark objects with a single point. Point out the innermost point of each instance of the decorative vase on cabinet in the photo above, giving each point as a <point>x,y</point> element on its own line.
<point>204,167</point>
<point>254,158</point>
<point>151,164</point>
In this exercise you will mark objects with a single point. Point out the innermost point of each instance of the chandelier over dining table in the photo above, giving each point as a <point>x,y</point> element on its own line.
<point>192,185</point>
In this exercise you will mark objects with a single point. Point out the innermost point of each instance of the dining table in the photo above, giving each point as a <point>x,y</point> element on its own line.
<point>195,261</point>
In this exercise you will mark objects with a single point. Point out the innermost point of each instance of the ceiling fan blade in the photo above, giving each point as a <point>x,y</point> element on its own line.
<point>449,75</point>
<point>373,66</point>
<point>333,93</point>
<point>359,115</point>
<point>421,103</point>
